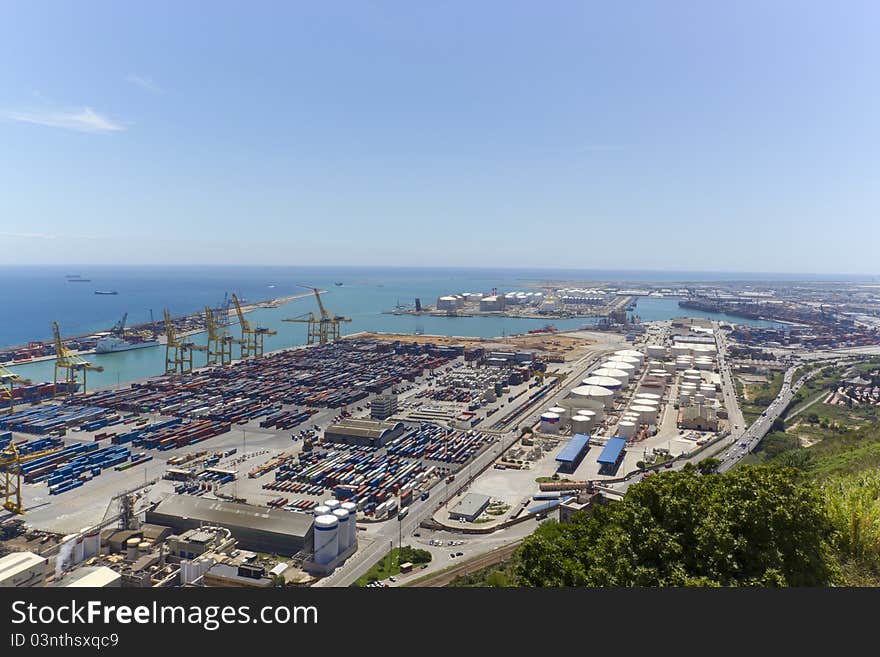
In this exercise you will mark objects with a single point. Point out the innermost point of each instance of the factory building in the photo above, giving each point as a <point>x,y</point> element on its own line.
<point>699,417</point>
<point>450,303</point>
<point>383,406</point>
<point>22,570</point>
<point>573,453</point>
<point>372,433</point>
<point>92,577</point>
<point>470,507</point>
<point>256,528</point>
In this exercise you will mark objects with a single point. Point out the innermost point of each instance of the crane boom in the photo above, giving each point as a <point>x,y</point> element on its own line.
<point>71,364</point>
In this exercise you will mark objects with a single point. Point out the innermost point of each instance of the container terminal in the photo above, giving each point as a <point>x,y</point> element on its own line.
<point>305,463</point>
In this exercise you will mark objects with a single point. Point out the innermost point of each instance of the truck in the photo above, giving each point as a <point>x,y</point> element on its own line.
<point>403,512</point>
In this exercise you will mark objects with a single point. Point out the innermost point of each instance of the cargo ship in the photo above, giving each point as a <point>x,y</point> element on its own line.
<point>79,280</point>
<point>113,343</point>
<point>106,292</point>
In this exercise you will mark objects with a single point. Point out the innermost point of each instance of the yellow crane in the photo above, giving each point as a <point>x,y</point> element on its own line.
<point>10,474</point>
<point>325,329</point>
<point>251,337</point>
<point>314,328</point>
<point>219,341</point>
<point>178,353</point>
<point>70,364</point>
<point>8,380</point>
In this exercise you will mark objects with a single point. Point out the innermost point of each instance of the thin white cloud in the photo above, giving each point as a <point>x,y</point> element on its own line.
<point>28,236</point>
<point>82,120</point>
<point>144,83</point>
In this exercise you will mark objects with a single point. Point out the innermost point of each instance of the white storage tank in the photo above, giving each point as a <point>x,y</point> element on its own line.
<point>631,353</point>
<point>656,351</point>
<point>326,539</point>
<point>581,424</point>
<point>604,382</point>
<point>649,395</point>
<point>332,504</point>
<point>635,362</point>
<point>614,373</point>
<point>344,529</point>
<point>626,429</point>
<point>322,510</point>
<point>647,414</point>
<point>549,423</point>
<point>594,397</point>
<point>561,412</point>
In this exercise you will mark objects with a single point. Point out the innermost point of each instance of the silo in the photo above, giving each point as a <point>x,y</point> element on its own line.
<point>351,507</point>
<point>131,549</point>
<point>321,510</point>
<point>626,429</point>
<point>326,539</point>
<point>549,423</point>
<point>344,529</point>
<point>332,504</point>
<point>144,548</point>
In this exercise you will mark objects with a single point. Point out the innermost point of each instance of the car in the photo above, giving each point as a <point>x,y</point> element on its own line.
<point>392,579</point>
<point>452,555</point>
<point>459,554</point>
<point>667,465</point>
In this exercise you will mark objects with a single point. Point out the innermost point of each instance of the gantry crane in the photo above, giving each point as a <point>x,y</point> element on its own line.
<point>178,353</point>
<point>8,380</point>
<point>325,329</point>
<point>314,328</point>
<point>219,349</point>
<point>10,474</point>
<point>71,364</point>
<point>251,337</point>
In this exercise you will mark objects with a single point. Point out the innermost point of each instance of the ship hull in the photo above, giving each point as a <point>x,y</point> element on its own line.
<point>128,346</point>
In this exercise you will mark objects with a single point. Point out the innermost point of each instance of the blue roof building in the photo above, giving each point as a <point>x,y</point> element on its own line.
<point>573,453</point>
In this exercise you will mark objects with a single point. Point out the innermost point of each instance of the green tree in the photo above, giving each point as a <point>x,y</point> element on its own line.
<point>708,466</point>
<point>759,526</point>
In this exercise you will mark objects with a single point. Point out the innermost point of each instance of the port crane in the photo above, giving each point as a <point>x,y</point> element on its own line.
<point>219,350</point>
<point>119,328</point>
<point>70,364</point>
<point>178,353</point>
<point>325,329</point>
<point>10,474</point>
<point>251,337</point>
<point>8,380</point>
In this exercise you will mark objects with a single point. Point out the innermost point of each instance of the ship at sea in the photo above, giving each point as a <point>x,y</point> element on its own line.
<point>106,292</point>
<point>79,280</point>
<point>117,340</point>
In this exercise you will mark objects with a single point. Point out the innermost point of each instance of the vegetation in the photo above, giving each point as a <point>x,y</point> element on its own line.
<point>390,564</point>
<point>755,526</point>
<point>497,575</point>
<point>756,397</point>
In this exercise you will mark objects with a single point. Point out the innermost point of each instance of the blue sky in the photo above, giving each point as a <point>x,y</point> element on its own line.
<point>640,135</point>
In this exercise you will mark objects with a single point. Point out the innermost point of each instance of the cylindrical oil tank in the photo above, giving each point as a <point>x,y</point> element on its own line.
<point>648,395</point>
<point>549,423</point>
<point>332,504</point>
<point>322,510</point>
<point>604,382</point>
<point>561,412</point>
<point>656,350</point>
<point>614,373</point>
<point>635,362</point>
<point>595,397</point>
<point>647,414</point>
<point>631,353</point>
<point>143,548</point>
<point>344,533</point>
<point>626,429</point>
<point>326,539</point>
<point>581,424</point>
